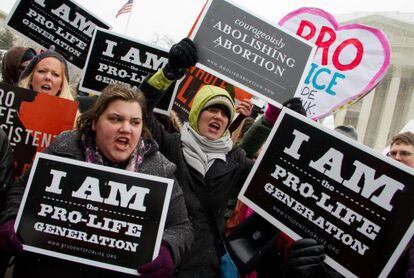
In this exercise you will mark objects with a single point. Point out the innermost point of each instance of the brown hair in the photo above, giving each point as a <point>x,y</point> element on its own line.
<point>108,95</point>
<point>405,138</point>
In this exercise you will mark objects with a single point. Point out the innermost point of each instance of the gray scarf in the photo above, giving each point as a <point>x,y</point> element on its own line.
<point>200,152</point>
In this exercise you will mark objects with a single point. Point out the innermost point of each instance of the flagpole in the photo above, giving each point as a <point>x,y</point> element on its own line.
<point>127,24</point>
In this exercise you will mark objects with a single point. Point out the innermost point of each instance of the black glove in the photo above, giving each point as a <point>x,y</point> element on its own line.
<point>306,259</point>
<point>182,55</point>
<point>296,105</point>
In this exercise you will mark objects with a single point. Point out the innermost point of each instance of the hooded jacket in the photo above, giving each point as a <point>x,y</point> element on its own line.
<point>204,96</point>
<point>11,64</point>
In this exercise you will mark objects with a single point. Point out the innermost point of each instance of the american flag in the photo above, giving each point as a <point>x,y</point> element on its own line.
<point>126,8</point>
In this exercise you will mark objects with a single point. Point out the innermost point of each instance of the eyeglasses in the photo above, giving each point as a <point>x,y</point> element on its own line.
<point>393,154</point>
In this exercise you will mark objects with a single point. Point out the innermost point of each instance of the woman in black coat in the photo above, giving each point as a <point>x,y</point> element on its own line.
<point>210,170</point>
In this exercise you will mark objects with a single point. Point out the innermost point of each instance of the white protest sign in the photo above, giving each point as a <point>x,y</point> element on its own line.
<point>349,62</point>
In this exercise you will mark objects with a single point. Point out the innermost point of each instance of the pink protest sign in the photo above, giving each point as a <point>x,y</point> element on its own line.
<point>350,60</point>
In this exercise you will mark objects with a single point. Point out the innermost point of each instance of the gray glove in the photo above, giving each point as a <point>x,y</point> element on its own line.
<point>182,55</point>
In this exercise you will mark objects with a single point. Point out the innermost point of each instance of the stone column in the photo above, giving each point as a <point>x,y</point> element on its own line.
<point>410,112</point>
<point>339,117</point>
<point>386,116</point>
<point>364,115</point>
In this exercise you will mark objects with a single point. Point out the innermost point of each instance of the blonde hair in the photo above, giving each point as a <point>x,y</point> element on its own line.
<point>64,92</point>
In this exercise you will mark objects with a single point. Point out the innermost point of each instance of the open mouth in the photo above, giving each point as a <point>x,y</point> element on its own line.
<point>215,126</point>
<point>46,87</point>
<point>122,142</point>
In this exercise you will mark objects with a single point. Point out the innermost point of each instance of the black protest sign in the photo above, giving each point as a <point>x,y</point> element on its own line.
<point>251,53</point>
<point>61,23</point>
<point>32,121</point>
<point>312,182</point>
<point>117,59</point>
<point>93,214</point>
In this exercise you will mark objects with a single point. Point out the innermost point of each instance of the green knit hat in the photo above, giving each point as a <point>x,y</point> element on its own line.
<point>209,96</point>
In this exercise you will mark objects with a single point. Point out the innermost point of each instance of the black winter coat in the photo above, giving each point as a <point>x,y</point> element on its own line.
<point>6,166</point>
<point>6,177</point>
<point>206,197</point>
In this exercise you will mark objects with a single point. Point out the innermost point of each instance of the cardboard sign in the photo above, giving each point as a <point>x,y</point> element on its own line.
<point>249,52</point>
<point>114,58</point>
<point>186,89</point>
<point>31,121</point>
<point>350,60</point>
<point>312,182</point>
<point>93,214</point>
<point>61,23</point>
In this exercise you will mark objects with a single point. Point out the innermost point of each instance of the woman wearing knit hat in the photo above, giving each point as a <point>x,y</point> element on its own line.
<point>14,62</point>
<point>210,169</point>
<point>47,73</point>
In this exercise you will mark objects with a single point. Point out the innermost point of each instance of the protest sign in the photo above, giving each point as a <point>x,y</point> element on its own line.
<point>32,120</point>
<point>249,52</point>
<point>114,58</point>
<point>350,61</point>
<point>93,214</point>
<point>186,89</point>
<point>61,23</point>
<point>312,182</point>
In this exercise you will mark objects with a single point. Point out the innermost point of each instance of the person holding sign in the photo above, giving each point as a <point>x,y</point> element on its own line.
<point>301,258</point>
<point>47,73</point>
<point>112,133</point>
<point>32,129</point>
<point>209,169</point>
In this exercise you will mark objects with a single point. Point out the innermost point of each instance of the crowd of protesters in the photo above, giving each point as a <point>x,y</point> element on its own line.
<point>208,164</point>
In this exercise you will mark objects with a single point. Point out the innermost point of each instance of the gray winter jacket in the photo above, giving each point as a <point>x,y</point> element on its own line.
<point>177,232</point>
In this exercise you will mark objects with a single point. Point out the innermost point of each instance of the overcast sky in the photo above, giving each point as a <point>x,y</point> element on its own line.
<point>175,17</point>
